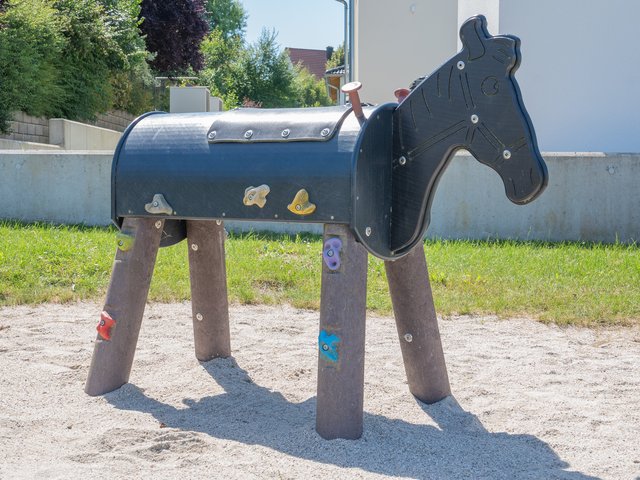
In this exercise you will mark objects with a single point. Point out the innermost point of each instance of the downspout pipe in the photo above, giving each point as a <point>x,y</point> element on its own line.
<point>348,39</point>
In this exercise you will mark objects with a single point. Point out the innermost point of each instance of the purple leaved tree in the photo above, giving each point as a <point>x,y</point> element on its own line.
<point>174,30</point>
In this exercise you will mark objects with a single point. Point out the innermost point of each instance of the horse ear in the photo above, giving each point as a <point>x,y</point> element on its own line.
<point>472,34</point>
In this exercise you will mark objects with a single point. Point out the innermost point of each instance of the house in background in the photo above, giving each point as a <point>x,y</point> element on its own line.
<point>316,62</point>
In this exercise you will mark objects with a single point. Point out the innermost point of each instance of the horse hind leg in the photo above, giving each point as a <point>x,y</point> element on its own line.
<point>125,302</point>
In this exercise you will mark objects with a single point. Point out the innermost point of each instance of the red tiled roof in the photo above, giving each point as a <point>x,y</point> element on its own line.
<point>314,60</point>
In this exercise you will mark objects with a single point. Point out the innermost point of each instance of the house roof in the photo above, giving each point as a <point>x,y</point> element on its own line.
<point>314,60</point>
<point>335,71</point>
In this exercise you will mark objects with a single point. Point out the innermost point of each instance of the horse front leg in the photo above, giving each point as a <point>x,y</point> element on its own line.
<point>342,335</point>
<point>418,326</point>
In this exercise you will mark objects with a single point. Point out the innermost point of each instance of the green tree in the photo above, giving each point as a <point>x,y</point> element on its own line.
<point>30,46</point>
<point>227,16</point>
<point>337,58</point>
<point>310,92</point>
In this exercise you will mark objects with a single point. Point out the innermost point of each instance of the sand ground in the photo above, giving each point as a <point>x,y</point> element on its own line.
<point>531,401</point>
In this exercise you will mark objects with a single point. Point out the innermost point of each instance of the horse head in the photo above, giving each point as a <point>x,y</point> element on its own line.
<point>501,135</point>
<point>473,102</point>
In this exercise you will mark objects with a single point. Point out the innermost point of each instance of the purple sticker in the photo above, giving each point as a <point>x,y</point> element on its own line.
<point>331,253</point>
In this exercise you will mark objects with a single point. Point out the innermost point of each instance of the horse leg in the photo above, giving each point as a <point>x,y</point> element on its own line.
<point>342,335</point>
<point>418,326</point>
<point>125,302</point>
<point>208,289</point>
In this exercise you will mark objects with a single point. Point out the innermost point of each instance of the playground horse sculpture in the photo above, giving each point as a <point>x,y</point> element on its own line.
<point>368,173</point>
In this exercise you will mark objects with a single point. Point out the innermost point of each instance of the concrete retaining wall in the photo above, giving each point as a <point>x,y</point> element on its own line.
<point>590,197</point>
<point>80,136</point>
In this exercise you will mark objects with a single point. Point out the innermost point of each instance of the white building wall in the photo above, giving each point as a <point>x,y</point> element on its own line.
<point>580,73</point>
<point>397,41</point>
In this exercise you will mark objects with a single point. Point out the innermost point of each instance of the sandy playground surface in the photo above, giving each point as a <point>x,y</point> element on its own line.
<point>531,401</point>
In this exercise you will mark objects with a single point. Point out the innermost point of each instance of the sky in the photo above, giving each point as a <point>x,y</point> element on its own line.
<point>314,24</point>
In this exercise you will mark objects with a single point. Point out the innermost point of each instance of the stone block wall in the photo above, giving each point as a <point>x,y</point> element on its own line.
<point>26,128</point>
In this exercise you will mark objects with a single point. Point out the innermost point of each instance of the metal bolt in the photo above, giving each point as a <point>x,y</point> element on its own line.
<point>329,253</point>
<point>367,231</point>
<point>121,243</point>
<point>194,247</point>
<point>325,132</point>
<point>332,217</point>
<point>224,214</point>
<point>402,160</point>
<point>248,134</point>
<point>408,337</point>
<point>474,118</point>
<point>286,132</point>
<point>155,204</point>
<point>199,317</point>
<point>212,135</point>
<point>506,154</point>
<point>158,224</point>
<point>275,216</point>
<point>325,347</point>
<point>460,65</point>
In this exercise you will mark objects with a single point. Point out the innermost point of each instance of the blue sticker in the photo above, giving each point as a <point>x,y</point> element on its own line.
<point>328,346</point>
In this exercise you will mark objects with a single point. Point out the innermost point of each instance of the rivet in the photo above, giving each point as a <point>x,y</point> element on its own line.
<point>325,347</point>
<point>212,135</point>
<point>298,207</point>
<point>506,154</point>
<point>248,134</point>
<point>408,337</point>
<point>218,222</point>
<point>460,65</point>
<point>402,160</point>
<point>474,118</point>
<point>158,224</point>
<point>199,317</point>
<point>367,231</point>
<point>329,253</point>
<point>155,204</point>
<point>224,214</point>
<point>194,247</point>
<point>332,217</point>
<point>286,132</point>
<point>275,216</point>
<point>325,132</point>
<point>121,243</point>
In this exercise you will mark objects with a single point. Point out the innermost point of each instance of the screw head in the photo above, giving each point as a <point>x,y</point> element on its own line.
<point>212,135</point>
<point>367,231</point>
<point>199,317</point>
<point>506,154</point>
<point>248,134</point>
<point>402,160</point>
<point>330,253</point>
<point>155,204</point>
<point>460,65</point>
<point>474,118</point>
<point>325,347</point>
<point>298,207</point>
<point>325,132</point>
<point>194,247</point>
<point>120,243</point>
<point>285,133</point>
<point>158,224</point>
<point>224,214</point>
<point>408,337</point>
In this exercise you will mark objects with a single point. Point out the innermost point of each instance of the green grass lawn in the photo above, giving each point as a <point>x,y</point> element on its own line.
<point>566,283</point>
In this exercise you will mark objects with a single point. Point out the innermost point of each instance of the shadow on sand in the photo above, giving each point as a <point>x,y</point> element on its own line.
<point>459,447</point>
